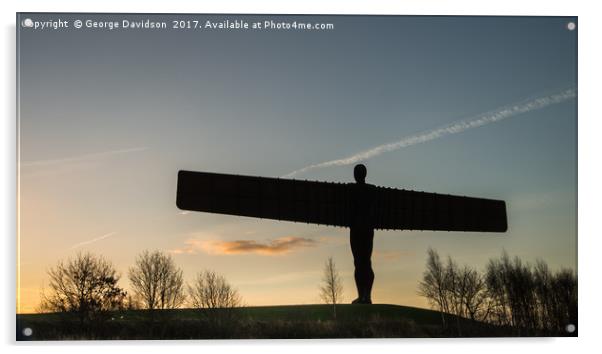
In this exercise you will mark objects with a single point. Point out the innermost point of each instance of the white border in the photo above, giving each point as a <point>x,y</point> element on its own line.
<point>589,170</point>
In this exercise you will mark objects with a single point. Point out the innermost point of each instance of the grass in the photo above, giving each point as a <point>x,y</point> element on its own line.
<point>295,321</point>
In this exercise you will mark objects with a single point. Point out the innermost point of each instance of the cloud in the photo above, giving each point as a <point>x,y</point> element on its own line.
<point>497,115</point>
<point>84,243</point>
<point>279,246</point>
<point>79,158</point>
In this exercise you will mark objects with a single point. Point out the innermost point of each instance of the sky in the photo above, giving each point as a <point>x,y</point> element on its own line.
<point>108,117</point>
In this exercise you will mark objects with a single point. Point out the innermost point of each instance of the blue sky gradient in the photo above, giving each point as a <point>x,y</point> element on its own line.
<point>117,113</point>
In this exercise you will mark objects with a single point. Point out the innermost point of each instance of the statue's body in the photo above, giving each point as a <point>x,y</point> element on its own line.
<point>361,234</point>
<point>360,206</point>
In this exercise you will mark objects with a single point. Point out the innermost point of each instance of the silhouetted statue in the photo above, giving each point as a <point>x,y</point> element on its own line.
<point>361,233</point>
<point>360,206</point>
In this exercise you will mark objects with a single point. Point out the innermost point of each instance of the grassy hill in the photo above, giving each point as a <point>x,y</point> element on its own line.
<point>295,321</point>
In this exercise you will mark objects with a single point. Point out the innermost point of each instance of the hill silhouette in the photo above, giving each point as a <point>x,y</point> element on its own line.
<point>289,321</point>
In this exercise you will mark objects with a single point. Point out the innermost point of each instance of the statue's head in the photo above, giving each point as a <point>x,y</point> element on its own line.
<point>359,173</point>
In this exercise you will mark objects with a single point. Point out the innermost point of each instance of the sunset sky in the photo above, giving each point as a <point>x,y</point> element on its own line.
<point>107,118</point>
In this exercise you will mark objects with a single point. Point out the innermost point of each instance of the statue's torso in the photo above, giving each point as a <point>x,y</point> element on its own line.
<point>363,205</point>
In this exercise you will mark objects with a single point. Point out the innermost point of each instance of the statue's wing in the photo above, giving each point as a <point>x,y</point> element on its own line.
<point>411,210</point>
<point>328,203</point>
<point>322,203</point>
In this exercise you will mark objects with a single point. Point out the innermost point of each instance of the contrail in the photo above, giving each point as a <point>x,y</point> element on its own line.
<point>79,157</point>
<point>92,240</point>
<point>497,115</point>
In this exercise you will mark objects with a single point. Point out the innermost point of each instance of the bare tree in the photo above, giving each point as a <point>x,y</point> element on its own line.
<point>456,290</point>
<point>544,291</point>
<point>496,291</point>
<point>565,297</point>
<point>453,291</point>
<point>86,285</point>
<point>211,291</point>
<point>157,281</point>
<point>473,294</point>
<point>434,284</point>
<point>331,290</point>
<point>530,299</point>
<point>512,284</point>
<point>132,303</point>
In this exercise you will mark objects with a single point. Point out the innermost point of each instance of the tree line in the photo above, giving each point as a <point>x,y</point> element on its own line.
<point>530,299</point>
<point>87,285</point>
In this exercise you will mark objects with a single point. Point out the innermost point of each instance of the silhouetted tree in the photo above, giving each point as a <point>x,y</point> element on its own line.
<point>545,293</point>
<point>434,284</point>
<point>331,290</point>
<point>512,284</point>
<point>531,299</point>
<point>496,291</point>
<point>211,291</point>
<point>132,303</point>
<point>157,281</point>
<point>452,291</point>
<point>564,284</point>
<point>473,295</point>
<point>457,290</point>
<point>86,285</point>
